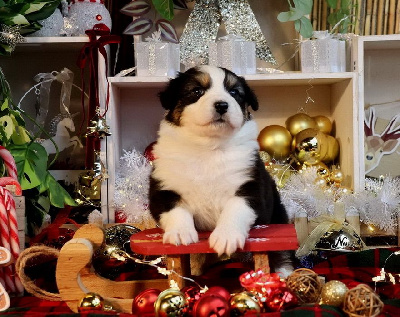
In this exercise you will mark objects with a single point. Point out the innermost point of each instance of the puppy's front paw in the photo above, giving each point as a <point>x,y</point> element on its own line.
<point>227,241</point>
<point>179,236</point>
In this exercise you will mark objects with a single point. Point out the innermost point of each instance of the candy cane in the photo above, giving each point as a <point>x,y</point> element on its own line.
<point>9,162</point>
<point>8,220</point>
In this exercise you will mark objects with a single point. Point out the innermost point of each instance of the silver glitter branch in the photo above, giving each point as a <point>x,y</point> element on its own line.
<point>203,24</point>
<point>10,35</point>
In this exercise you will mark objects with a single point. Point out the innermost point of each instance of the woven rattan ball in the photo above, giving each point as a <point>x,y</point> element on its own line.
<point>362,301</point>
<point>305,284</point>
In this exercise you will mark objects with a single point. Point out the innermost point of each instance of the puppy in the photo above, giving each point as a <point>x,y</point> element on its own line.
<point>207,174</point>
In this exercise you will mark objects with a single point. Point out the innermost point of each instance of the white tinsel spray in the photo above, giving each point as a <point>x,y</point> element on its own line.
<point>303,195</point>
<point>131,195</point>
<point>379,203</point>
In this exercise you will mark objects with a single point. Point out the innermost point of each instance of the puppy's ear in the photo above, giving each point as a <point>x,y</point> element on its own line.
<point>250,97</point>
<point>170,96</point>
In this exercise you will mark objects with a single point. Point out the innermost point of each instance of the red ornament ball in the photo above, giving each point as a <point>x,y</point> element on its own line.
<point>281,299</point>
<point>148,152</point>
<point>144,302</point>
<point>192,294</point>
<point>219,290</point>
<point>211,305</point>
<point>120,216</point>
<point>99,17</point>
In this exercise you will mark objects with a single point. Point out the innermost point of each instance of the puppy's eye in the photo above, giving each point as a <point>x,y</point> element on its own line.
<point>198,91</point>
<point>234,92</point>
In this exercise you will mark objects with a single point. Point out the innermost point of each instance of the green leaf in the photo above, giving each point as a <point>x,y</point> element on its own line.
<point>4,106</point>
<point>31,160</point>
<point>45,12</point>
<point>33,7</point>
<point>20,135</point>
<point>7,125</point>
<point>304,6</point>
<point>165,8</point>
<point>59,197</point>
<point>44,203</point>
<point>304,27</point>
<point>332,3</point>
<point>19,19</point>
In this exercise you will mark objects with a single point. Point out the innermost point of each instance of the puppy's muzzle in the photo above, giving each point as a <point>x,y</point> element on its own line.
<point>221,107</point>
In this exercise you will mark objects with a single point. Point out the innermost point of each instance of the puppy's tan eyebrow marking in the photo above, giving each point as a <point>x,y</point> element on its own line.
<point>230,80</point>
<point>204,79</point>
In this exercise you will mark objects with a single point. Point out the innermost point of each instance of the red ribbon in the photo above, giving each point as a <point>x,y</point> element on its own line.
<point>260,280</point>
<point>99,37</point>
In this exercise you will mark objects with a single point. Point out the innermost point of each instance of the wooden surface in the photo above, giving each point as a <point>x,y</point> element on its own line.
<point>261,238</point>
<point>75,275</point>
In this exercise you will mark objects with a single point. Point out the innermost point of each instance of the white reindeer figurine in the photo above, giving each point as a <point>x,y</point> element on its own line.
<point>376,145</point>
<point>62,137</point>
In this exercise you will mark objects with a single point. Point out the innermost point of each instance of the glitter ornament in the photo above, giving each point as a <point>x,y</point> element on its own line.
<point>333,293</point>
<point>10,35</point>
<point>171,303</point>
<point>52,26</point>
<point>84,14</point>
<point>203,24</point>
<point>91,302</point>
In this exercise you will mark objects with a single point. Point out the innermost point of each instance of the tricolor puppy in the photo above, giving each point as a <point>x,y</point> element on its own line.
<point>208,175</point>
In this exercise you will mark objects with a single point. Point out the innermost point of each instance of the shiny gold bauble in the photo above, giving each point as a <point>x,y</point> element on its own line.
<point>276,140</point>
<point>336,175</point>
<point>333,293</point>
<point>299,122</point>
<point>324,124</point>
<point>308,146</point>
<point>244,303</point>
<point>171,303</point>
<point>91,302</point>
<point>329,148</point>
<point>305,284</point>
<point>322,170</point>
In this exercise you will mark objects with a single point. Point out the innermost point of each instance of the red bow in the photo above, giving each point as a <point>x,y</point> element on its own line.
<point>99,37</point>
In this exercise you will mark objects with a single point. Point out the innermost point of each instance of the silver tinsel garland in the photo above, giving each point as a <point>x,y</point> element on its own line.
<point>378,204</point>
<point>132,187</point>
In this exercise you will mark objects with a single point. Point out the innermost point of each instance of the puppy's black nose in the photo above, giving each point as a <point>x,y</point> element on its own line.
<point>221,107</point>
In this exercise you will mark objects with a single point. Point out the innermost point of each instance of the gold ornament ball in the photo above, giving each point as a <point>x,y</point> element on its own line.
<point>171,303</point>
<point>299,122</point>
<point>91,302</point>
<point>324,124</point>
<point>276,140</point>
<point>244,303</point>
<point>308,146</point>
<point>333,293</point>
<point>329,148</point>
<point>322,170</point>
<point>336,175</point>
